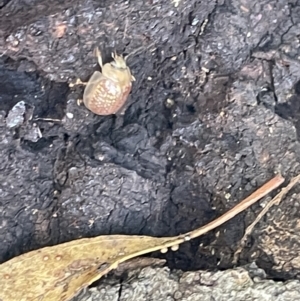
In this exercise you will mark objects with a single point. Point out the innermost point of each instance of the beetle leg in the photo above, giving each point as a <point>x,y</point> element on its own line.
<point>79,102</point>
<point>78,82</point>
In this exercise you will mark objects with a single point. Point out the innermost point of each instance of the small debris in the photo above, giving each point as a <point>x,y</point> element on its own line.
<point>176,2</point>
<point>70,115</point>
<point>15,116</point>
<point>33,133</point>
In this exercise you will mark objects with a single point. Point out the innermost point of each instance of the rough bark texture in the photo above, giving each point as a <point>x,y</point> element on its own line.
<point>161,284</point>
<point>213,114</point>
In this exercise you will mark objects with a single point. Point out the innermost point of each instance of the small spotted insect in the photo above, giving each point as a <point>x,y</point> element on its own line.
<point>106,92</point>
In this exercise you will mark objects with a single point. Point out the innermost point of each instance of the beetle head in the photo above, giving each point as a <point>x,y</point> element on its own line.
<point>119,62</point>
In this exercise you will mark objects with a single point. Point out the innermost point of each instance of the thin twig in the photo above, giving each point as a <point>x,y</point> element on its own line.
<point>275,201</point>
<point>139,49</point>
<point>47,119</point>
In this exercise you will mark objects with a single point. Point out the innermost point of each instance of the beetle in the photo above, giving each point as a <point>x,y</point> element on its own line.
<point>106,92</point>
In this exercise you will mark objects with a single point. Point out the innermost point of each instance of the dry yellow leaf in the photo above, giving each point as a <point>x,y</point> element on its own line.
<point>58,273</point>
